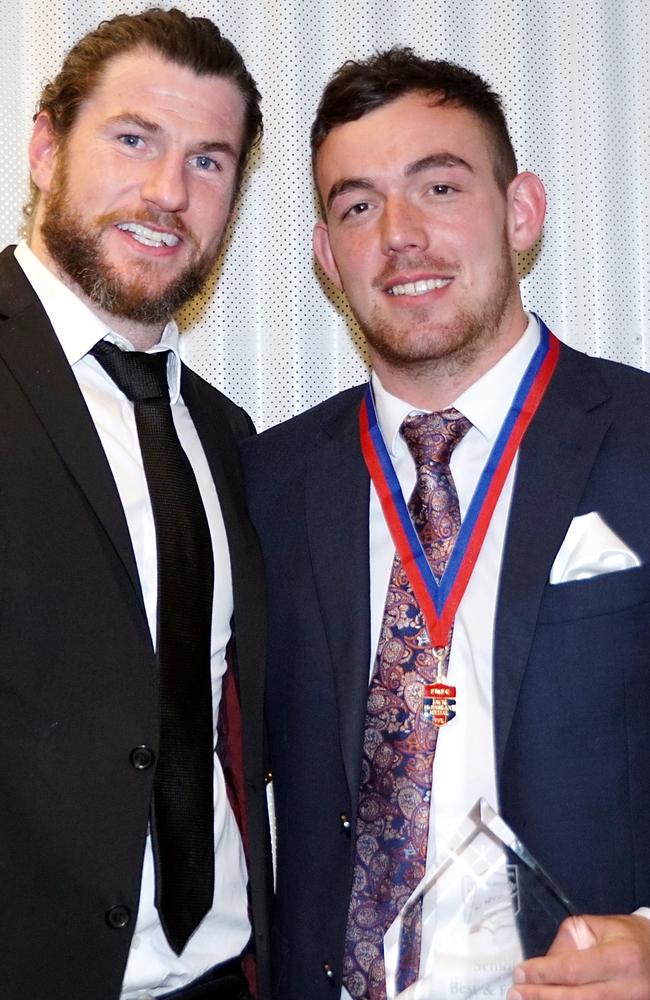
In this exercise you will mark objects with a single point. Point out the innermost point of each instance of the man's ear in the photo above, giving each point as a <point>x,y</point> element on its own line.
<point>324,255</point>
<point>526,210</point>
<point>42,152</point>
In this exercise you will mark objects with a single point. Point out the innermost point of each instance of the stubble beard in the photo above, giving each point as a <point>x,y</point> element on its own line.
<point>77,250</point>
<point>426,347</point>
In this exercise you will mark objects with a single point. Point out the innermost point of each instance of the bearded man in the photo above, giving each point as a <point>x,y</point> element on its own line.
<point>458,562</point>
<point>133,859</point>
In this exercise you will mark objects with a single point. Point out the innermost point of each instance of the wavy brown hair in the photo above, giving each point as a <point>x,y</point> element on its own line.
<point>193,42</point>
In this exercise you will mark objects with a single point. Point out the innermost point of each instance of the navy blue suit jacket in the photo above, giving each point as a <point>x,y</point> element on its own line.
<point>571,661</point>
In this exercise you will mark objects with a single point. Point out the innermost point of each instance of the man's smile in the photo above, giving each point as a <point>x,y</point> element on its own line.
<point>148,236</point>
<point>419,287</point>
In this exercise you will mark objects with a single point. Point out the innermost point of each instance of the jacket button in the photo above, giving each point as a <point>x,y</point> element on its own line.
<point>118,917</point>
<point>345,823</point>
<point>141,758</point>
<point>328,970</point>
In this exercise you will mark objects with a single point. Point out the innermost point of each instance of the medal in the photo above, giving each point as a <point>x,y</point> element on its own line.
<point>439,600</point>
<point>438,702</point>
<point>439,698</point>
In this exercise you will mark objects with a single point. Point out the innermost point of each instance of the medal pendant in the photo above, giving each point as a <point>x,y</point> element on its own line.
<point>438,703</point>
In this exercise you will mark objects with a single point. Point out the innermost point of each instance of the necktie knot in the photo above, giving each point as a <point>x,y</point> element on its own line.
<point>432,437</point>
<point>140,376</point>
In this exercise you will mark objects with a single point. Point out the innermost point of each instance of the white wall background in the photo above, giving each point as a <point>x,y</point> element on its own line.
<point>575,77</point>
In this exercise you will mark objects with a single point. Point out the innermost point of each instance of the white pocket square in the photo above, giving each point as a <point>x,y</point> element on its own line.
<point>589,549</point>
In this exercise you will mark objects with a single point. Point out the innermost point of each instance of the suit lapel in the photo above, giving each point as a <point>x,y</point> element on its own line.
<point>33,355</point>
<point>221,452</point>
<point>241,711</point>
<point>219,445</point>
<point>216,438</point>
<point>554,463</point>
<point>337,497</point>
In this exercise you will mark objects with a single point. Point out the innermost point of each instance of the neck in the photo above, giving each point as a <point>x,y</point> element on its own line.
<point>141,335</point>
<point>435,383</point>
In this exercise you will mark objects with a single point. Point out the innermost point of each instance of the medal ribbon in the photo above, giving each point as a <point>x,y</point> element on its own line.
<point>439,600</point>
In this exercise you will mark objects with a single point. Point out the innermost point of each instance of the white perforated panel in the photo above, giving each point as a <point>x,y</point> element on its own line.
<point>575,77</point>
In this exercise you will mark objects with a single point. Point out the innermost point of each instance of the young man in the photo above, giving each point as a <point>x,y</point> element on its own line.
<point>133,860</point>
<point>444,627</point>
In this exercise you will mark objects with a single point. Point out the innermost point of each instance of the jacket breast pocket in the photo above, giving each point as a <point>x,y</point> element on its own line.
<point>590,657</point>
<point>607,594</point>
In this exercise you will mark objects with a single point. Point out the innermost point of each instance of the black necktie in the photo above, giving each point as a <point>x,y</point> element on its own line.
<point>182,806</point>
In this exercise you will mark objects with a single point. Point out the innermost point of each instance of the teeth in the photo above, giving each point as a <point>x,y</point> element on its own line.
<point>419,287</point>
<point>149,237</point>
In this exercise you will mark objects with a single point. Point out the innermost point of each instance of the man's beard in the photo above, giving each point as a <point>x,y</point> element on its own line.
<point>77,250</point>
<point>421,343</point>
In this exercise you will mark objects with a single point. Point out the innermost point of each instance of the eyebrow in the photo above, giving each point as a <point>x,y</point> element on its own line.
<point>349,184</point>
<point>218,147</point>
<point>132,118</point>
<point>210,146</point>
<point>418,166</point>
<point>437,160</point>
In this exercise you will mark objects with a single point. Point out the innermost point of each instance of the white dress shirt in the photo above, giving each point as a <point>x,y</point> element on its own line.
<point>464,768</point>
<point>153,968</point>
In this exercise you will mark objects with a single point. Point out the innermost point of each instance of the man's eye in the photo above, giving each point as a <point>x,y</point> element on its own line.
<point>133,141</point>
<point>358,209</point>
<point>206,163</point>
<point>441,188</point>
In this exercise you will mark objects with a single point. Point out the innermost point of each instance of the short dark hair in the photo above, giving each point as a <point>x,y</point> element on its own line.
<point>359,87</point>
<point>193,42</point>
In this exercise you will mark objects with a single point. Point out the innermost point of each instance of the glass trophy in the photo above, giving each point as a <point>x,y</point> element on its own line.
<point>486,906</point>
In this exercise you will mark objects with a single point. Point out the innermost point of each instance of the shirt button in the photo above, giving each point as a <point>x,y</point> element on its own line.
<point>118,917</point>
<point>345,823</point>
<point>141,758</point>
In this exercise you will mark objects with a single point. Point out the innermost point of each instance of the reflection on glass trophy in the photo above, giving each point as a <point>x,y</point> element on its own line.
<point>485,907</point>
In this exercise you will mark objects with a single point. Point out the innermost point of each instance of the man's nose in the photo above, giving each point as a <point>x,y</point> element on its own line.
<point>403,227</point>
<point>165,185</point>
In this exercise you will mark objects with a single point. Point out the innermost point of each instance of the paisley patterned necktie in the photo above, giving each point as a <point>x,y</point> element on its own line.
<point>399,743</point>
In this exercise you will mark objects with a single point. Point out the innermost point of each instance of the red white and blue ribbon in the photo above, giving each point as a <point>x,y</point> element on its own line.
<point>439,600</point>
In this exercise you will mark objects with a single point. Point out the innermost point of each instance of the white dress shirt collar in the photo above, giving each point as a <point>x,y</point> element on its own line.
<point>78,328</point>
<point>485,403</point>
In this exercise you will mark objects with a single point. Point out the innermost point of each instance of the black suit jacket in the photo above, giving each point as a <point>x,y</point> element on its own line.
<point>571,661</point>
<point>78,682</point>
